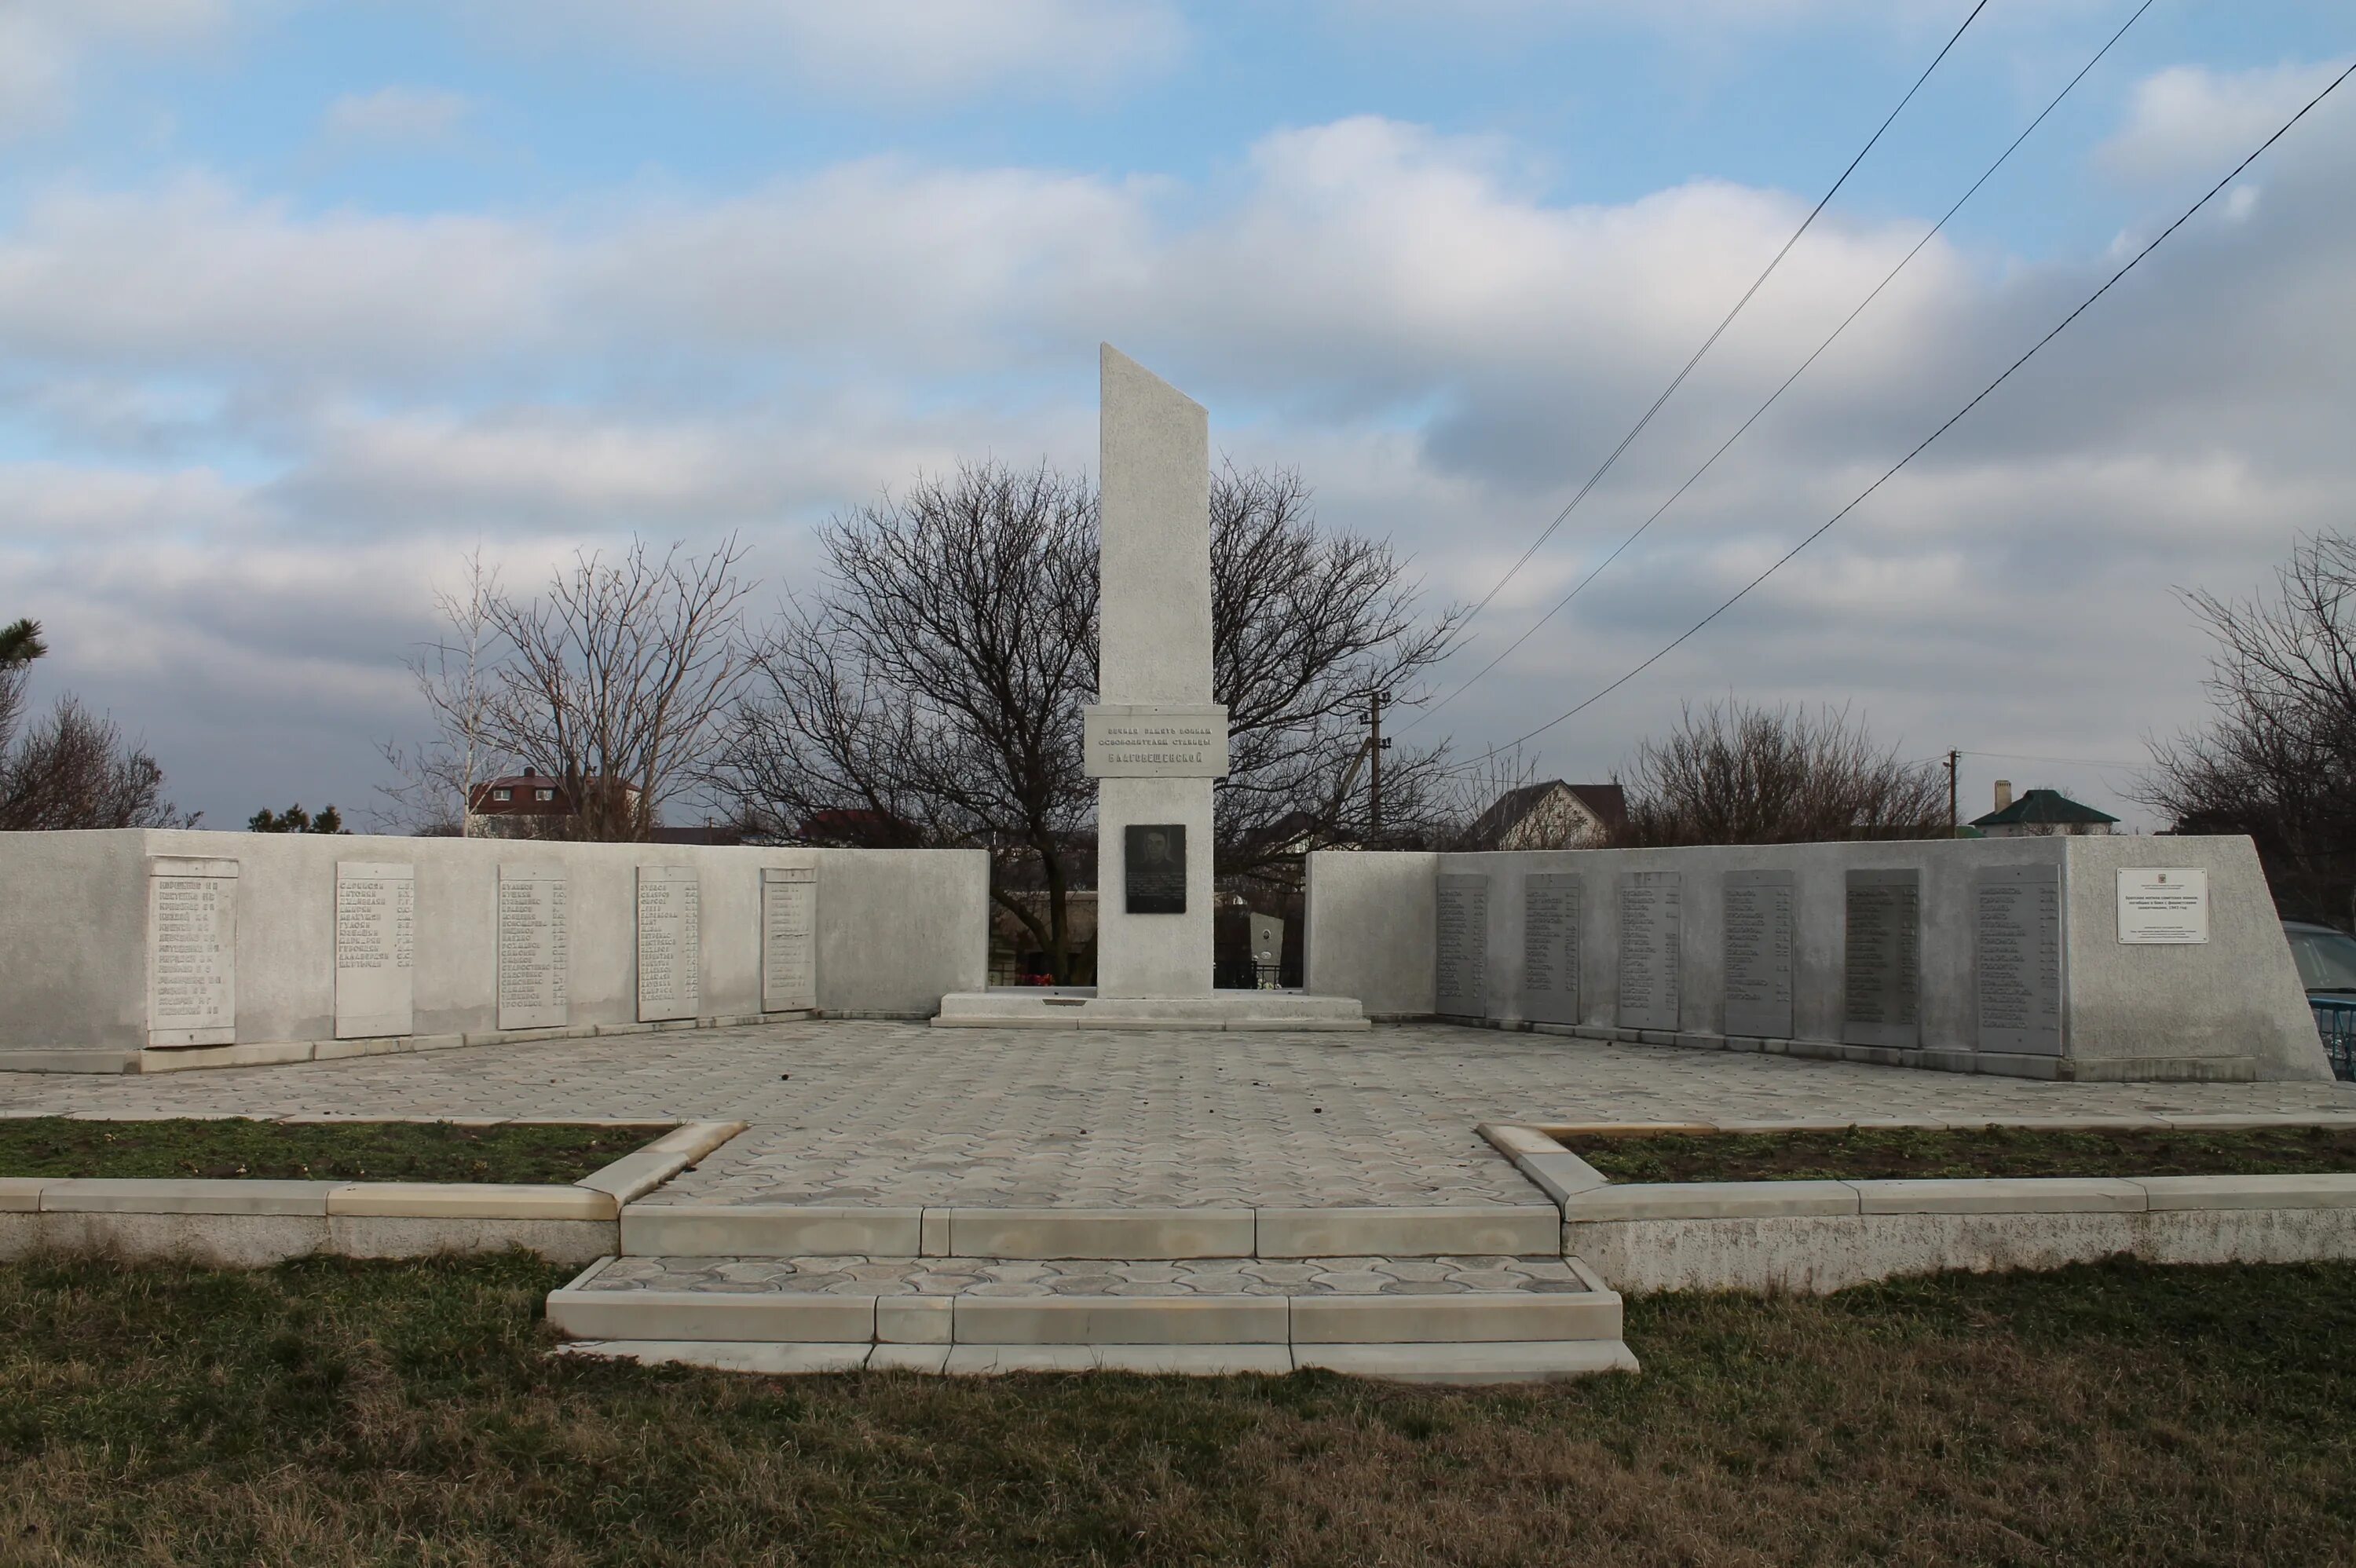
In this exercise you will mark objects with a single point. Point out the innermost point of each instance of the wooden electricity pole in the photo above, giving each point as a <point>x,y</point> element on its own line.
<point>1376,747</point>
<point>1955,818</point>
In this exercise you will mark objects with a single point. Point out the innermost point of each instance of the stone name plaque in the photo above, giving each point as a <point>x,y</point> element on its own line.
<point>1759,908</point>
<point>1154,741</point>
<point>1461,947</point>
<point>788,938</point>
<point>1651,929</point>
<point>2017,946</point>
<point>535,948</point>
<point>670,942</point>
<point>1882,966</point>
<point>1153,868</point>
<point>1550,912</point>
<point>2163,905</point>
<point>191,951</point>
<point>376,963</point>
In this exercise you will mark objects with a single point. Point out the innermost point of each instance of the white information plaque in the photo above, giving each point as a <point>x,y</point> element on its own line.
<point>2163,904</point>
<point>1154,741</point>
<point>535,948</point>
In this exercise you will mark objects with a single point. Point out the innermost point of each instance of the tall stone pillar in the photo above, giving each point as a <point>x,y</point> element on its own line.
<point>1155,740</point>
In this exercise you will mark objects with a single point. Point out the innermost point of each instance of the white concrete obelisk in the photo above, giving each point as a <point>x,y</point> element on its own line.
<point>1155,744</point>
<point>1155,738</point>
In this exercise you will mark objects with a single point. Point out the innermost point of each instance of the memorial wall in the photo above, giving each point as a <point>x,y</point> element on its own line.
<point>151,940</point>
<point>2086,958</point>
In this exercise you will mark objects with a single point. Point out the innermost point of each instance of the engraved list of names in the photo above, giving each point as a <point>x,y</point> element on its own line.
<point>535,948</point>
<point>788,938</point>
<point>670,942</point>
<point>376,963</point>
<point>1758,954</point>
<point>2017,917</point>
<point>191,952</point>
<point>1461,951</point>
<point>1882,977</point>
<point>1652,926</point>
<point>1550,946</point>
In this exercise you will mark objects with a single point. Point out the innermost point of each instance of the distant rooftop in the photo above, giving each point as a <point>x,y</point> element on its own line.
<point>2043,809</point>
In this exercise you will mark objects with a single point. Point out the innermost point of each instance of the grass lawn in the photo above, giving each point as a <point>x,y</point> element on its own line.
<point>332,1412</point>
<point>1875,1152</point>
<point>317,1151</point>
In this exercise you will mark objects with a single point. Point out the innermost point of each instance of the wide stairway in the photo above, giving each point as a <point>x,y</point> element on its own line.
<point>1040,1294</point>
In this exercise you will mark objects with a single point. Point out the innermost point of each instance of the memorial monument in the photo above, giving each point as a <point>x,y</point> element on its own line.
<point>1155,742</point>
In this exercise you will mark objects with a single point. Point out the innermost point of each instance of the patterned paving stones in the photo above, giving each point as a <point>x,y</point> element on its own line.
<point>870,1113</point>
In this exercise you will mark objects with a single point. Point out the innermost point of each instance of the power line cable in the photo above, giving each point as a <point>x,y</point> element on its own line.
<point>1694,477</point>
<point>1596,478</point>
<point>1920,447</point>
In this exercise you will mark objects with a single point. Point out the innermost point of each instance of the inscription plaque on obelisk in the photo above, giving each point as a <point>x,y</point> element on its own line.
<point>670,942</point>
<point>1651,930</point>
<point>1758,954</point>
<point>535,948</point>
<point>375,918</point>
<point>1882,983</point>
<point>2017,948</point>
<point>788,938</point>
<point>1550,955</point>
<point>191,951</point>
<point>1460,984</point>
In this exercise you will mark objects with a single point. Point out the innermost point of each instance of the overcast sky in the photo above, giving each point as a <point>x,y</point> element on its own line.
<point>298,301</point>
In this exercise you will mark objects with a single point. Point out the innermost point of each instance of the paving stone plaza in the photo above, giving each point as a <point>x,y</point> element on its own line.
<point>897,1114</point>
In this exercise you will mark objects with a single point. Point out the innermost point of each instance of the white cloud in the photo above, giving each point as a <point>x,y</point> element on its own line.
<point>45,44</point>
<point>398,116</point>
<point>906,51</point>
<point>1443,352</point>
<point>2189,121</point>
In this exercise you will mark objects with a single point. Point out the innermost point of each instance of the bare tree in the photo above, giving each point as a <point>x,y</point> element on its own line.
<point>2277,759</point>
<point>1305,624</point>
<point>455,674</point>
<point>614,682</point>
<point>73,768</point>
<point>932,694</point>
<point>1464,794</point>
<point>1733,774</point>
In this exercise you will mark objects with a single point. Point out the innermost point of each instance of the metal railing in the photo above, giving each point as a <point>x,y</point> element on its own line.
<point>2334,1020</point>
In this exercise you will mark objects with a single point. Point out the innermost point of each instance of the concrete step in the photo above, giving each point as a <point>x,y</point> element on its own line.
<point>657,1230</point>
<point>1079,1006</point>
<point>1484,1319</point>
<point>1491,1361</point>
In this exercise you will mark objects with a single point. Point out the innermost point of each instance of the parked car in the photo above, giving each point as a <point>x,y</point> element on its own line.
<point>2327,967</point>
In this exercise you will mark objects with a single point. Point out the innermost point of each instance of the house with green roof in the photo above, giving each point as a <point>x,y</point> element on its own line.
<point>2040,814</point>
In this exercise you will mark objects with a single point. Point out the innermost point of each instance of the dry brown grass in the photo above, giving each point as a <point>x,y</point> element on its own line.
<point>346,1414</point>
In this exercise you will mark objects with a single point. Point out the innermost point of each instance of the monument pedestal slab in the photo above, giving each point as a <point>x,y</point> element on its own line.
<point>1081,1007</point>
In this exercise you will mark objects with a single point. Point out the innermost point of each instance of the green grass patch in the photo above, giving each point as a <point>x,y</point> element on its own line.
<point>330,1413</point>
<point>311,1151</point>
<point>1860,1153</point>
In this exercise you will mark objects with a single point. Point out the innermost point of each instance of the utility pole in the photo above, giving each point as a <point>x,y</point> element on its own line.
<point>1955,818</point>
<point>1376,747</point>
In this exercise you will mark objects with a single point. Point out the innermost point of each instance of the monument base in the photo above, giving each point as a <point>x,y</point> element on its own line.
<point>1079,1006</point>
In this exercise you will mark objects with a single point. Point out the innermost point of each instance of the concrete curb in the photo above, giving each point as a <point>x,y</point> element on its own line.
<point>239,1223</point>
<point>1822,1236</point>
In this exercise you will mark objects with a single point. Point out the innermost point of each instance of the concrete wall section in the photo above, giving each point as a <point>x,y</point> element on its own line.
<point>74,940</point>
<point>2237,995</point>
<point>2230,1007</point>
<point>1369,929</point>
<point>896,930</point>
